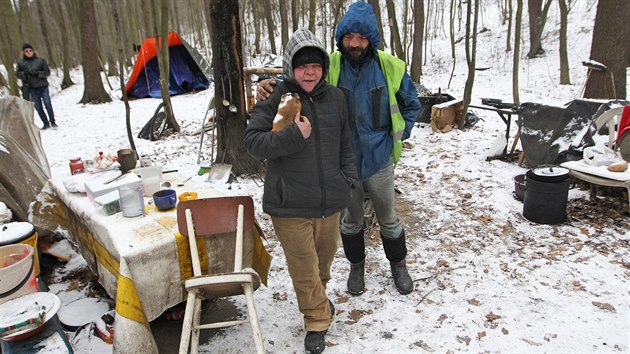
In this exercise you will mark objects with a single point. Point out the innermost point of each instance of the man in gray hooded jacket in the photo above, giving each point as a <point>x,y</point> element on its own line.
<point>310,171</point>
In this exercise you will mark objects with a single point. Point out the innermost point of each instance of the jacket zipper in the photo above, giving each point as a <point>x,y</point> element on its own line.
<point>318,154</point>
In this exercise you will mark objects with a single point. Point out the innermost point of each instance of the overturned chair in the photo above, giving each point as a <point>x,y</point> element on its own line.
<point>207,218</point>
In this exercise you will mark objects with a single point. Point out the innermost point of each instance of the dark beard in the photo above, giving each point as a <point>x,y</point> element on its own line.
<point>357,54</point>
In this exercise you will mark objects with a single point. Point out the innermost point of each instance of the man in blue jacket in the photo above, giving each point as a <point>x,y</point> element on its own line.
<point>383,106</point>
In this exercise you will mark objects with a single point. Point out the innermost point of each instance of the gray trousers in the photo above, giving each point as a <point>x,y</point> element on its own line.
<point>380,188</point>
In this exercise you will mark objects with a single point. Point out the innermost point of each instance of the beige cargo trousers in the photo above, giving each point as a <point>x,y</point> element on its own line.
<point>309,247</point>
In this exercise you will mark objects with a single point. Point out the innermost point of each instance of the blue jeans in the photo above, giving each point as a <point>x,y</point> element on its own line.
<point>38,95</point>
<point>380,188</point>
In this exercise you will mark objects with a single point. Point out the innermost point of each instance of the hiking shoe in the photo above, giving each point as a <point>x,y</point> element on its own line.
<point>314,342</point>
<point>53,124</point>
<point>46,126</point>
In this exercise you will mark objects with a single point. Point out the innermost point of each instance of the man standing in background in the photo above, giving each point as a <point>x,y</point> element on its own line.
<point>33,71</point>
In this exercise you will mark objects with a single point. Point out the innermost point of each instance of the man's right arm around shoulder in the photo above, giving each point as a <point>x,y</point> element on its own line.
<point>265,88</point>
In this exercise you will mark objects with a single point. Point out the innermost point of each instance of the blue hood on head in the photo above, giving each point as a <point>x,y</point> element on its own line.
<point>360,18</point>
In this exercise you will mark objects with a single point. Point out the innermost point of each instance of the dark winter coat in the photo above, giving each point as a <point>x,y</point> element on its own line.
<point>33,72</point>
<point>311,177</point>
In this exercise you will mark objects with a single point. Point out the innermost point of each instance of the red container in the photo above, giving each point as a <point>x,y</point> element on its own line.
<point>76,166</point>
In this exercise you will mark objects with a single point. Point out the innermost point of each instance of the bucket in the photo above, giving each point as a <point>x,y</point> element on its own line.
<point>519,187</point>
<point>545,202</point>
<point>17,277</point>
<point>20,232</point>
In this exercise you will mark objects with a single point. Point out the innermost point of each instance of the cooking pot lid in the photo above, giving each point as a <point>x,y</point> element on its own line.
<point>550,171</point>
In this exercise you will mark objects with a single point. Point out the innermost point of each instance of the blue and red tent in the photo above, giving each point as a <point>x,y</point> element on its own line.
<point>186,72</point>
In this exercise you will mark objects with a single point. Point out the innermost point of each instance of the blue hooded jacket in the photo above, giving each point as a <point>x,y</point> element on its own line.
<point>365,88</point>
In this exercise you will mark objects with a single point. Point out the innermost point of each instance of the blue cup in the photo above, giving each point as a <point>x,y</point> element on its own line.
<point>165,199</point>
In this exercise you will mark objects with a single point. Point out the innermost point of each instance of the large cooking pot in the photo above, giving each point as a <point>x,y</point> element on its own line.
<point>548,174</point>
<point>546,194</point>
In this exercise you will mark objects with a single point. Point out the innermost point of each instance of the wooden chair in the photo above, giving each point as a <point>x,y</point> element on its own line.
<point>577,169</point>
<point>211,217</point>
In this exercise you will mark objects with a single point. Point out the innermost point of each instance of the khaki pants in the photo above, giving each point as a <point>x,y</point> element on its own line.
<point>309,246</point>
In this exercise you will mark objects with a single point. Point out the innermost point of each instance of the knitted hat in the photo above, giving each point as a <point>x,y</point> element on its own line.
<point>308,55</point>
<point>26,45</point>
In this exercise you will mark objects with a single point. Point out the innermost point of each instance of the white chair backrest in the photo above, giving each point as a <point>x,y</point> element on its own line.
<point>612,117</point>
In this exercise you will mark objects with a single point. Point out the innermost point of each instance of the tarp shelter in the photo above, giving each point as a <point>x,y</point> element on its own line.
<point>552,135</point>
<point>188,69</point>
<point>24,164</point>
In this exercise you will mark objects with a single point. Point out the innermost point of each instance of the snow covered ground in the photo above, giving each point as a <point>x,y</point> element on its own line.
<point>487,279</point>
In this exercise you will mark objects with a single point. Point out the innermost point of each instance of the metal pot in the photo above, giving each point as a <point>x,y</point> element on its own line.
<point>548,174</point>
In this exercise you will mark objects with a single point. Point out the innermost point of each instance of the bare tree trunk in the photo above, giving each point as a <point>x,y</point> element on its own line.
<point>396,44</point>
<point>418,35</point>
<point>121,73</point>
<point>270,26</point>
<point>161,17</point>
<point>284,22</point>
<point>228,70</point>
<point>66,81</point>
<point>295,18</point>
<point>93,90</point>
<point>517,50</point>
<point>208,24</point>
<point>611,36</point>
<point>377,10</point>
<point>426,29</point>
<point>9,33</point>
<point>25,23</point>
<point>452,36</point>
<point>471,55</point>
<point>52,60</point>
<point>537,20</point>
<point>508,37</point>
<point>312,5</point>
<point>337,11</point>
<point>257,25</point>
<point>565,78</point>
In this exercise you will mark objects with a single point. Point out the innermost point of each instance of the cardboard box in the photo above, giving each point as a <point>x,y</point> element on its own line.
<point>444,116</point>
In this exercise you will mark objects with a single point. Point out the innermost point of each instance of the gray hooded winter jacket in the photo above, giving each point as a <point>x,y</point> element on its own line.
<point>311,177</point>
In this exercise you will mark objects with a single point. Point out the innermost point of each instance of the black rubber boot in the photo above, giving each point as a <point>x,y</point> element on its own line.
<point>402,280</point>
<point>356,278</point>
<point>396,251</point>
<point>354,247</point>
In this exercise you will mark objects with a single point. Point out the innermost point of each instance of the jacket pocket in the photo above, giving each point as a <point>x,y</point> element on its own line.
<point>275,192</point>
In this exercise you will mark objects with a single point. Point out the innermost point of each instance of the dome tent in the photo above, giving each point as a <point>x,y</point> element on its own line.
<point>188,69</point>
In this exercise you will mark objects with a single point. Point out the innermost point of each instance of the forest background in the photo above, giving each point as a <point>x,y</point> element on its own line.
<point>102,37</point>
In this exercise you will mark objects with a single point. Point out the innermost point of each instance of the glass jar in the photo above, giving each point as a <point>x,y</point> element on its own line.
<point>76,166</point>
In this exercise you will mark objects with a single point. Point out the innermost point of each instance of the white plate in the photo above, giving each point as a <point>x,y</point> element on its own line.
<point>50,302</point>
<point>81,311</point>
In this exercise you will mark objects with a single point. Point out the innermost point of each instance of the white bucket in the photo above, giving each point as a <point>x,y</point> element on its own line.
<point>17,275</point>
